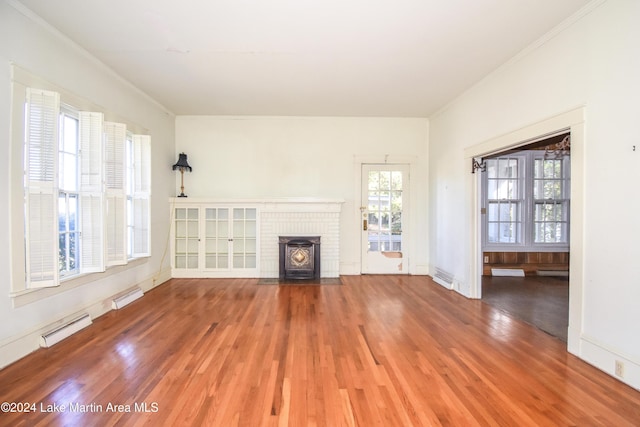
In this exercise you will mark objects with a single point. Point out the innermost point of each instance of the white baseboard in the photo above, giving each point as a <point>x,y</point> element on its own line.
<point>157,279</point>
<point>349,269</point>
<point>421,270</point>
<point>18,346</point>
<point>604,358</point>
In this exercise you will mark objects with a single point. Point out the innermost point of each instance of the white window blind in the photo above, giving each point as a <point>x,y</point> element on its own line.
<point>97,213</point>
<point>141,195</point>
<point>114,177</point>
<point>91,192</point>
<point>41,167</point>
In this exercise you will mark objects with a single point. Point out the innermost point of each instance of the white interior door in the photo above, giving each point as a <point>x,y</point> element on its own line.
<point>384,207</point>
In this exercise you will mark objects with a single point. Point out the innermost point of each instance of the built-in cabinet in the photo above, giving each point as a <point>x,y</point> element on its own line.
<point>212,237</point>
<point>210,240</point>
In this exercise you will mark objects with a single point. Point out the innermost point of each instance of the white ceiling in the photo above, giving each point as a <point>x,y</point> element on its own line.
<point>396,58</point>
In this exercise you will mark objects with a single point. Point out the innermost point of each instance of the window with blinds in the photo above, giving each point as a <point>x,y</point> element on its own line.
<point>87,191</point>
<point>42,112</point>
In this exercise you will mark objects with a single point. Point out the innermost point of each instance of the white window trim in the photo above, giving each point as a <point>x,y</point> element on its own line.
<point>527,244</point>
<point>19,292</point>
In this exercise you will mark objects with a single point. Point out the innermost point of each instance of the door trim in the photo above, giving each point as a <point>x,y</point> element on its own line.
<point>386,159</point>
<point>573,121</point>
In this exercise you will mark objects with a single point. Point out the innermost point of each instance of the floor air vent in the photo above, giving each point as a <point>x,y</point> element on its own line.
<point>127,298</point>
<point>443,278</point>
<point>55,336</point>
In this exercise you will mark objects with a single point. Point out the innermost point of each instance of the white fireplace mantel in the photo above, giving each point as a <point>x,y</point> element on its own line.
<point>281,204</point>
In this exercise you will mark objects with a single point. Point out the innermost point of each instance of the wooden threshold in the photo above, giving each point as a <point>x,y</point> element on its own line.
<point>378,350</point>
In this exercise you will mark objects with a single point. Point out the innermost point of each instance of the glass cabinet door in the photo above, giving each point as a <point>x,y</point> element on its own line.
<point>186,237</point>
<point>216,238</point>
<point>209,240</point>
<point>244,237</point>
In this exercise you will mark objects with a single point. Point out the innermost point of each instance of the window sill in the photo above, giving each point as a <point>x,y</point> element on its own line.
<point>28,296</point>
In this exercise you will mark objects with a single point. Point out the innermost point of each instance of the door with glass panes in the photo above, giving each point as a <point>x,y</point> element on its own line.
<point>384,207</point>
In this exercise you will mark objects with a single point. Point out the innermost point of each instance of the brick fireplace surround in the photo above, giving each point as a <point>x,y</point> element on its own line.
<point>300,217</point>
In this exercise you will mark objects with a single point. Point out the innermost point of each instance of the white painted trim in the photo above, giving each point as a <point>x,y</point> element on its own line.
<point>18,346</point>
<point>572,120</point>
<point>192,273</point>
<point>36,19</point>
<point>376,263</point>
<point>27,296</point>
<point>293,204</point>
<point>529,133</point>
<point>388,159</point>
<point>349,268</point>
<point>604,358</point>
<point>420,269</point>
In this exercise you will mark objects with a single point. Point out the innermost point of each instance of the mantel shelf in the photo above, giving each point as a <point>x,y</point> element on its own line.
<point>282,204</point>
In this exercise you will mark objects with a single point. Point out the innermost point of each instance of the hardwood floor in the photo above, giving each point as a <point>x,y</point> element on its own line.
<point>378,350</point>
<point>542,301</point>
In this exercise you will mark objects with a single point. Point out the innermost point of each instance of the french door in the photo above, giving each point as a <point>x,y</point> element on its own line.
<point>384,207</point>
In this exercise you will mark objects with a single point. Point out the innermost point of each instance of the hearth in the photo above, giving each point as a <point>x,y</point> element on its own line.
<point>299,257</point>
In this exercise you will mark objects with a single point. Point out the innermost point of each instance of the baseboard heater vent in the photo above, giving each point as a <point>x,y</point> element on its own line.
<point>553,273</point>
<point>71,327</point>
<point>507,272</point>
<point>126,298</point>
<point>443,278</point>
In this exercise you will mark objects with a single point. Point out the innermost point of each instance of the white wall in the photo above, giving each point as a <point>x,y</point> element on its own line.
<point>592,61</point>
<point>44,53</point>
<point>263,157</point>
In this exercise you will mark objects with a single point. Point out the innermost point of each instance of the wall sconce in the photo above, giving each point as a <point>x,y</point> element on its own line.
<point>182,166</point>
<point>478,165</point>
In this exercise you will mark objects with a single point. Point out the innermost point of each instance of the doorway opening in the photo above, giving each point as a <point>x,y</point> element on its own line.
<point>525,223</point>
<point>573,122</point>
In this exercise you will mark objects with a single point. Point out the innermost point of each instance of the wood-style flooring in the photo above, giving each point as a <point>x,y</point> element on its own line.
<point>376,350</point>
<point>542,301</point>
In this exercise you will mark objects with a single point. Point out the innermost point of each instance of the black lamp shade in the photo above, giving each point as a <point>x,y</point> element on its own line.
<point>182,163</point>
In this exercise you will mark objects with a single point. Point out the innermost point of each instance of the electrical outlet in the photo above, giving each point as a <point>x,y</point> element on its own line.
<point>619,369</point>
<point>486,260</point>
